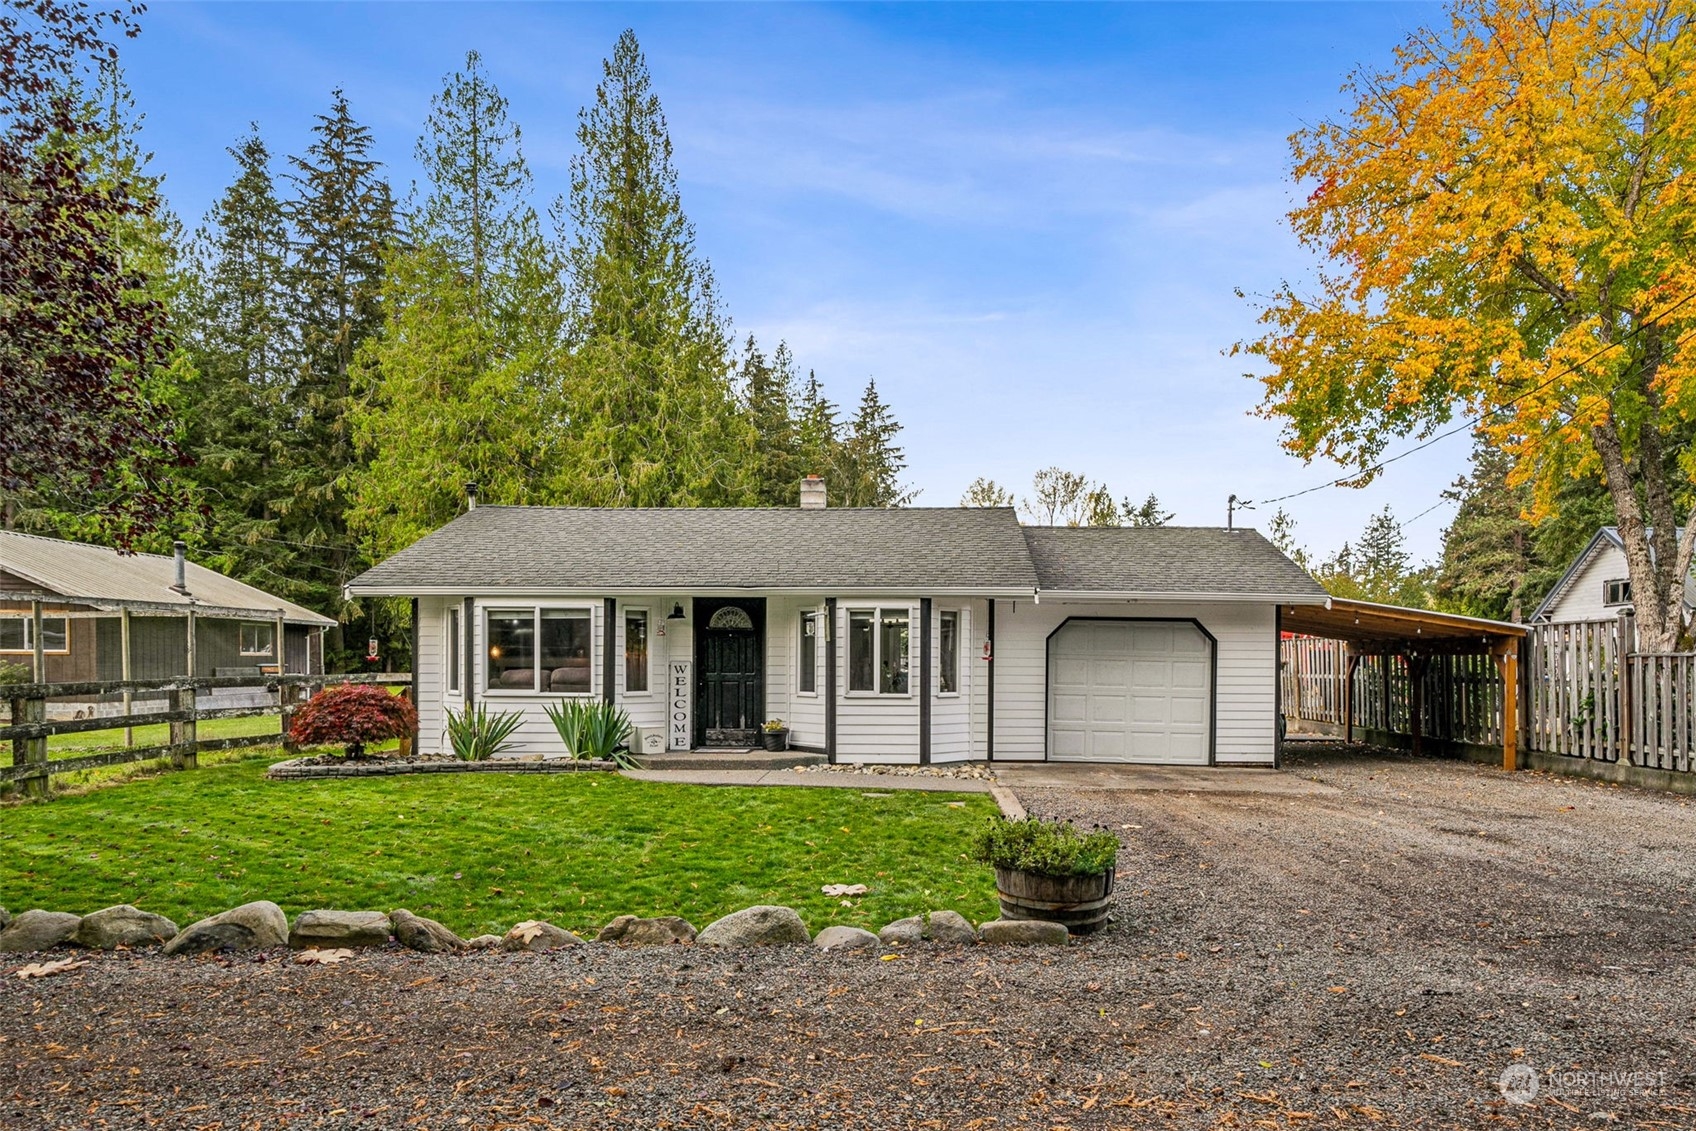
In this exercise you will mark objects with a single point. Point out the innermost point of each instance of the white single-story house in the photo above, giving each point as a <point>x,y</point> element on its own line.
<point>1596,586</point>
<point>910,635</point>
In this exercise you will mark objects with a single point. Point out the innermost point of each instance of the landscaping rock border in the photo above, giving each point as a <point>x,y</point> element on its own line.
<point>262,925</point>
<point>298,769</point>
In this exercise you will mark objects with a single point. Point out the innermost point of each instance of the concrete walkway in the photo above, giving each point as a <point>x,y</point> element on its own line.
<point>868,783</point>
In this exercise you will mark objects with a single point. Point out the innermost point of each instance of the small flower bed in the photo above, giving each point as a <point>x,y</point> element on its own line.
<point>1045,848</point>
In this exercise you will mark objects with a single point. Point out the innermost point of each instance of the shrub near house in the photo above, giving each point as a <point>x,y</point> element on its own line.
<point>353,716</point>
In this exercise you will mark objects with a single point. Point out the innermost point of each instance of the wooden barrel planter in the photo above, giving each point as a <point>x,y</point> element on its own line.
<point>1080,902</point>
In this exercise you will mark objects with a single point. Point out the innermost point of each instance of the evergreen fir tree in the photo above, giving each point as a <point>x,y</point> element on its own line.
<point>462,385</point>
<point>655,419</point>
<point>769,390</point>
<point>246,358</point>
<point>818,432</point>
<point>872,462</point>
<point>343,220</point>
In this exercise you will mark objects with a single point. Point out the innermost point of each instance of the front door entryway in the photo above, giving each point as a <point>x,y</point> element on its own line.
<point>730,644</point>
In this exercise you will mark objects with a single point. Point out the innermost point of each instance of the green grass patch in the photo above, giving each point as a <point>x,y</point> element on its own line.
<point>483,851</point>
<point>158,734</point>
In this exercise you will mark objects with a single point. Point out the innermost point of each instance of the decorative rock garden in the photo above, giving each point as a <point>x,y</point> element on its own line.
<point>261,925</point>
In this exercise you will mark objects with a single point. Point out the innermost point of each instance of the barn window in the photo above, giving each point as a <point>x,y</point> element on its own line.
<point>17,634</point>
<point>1616,592</point>
<point>256,639</point>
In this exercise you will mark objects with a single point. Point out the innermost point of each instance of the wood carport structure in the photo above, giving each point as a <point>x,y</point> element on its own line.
<point>1416,636</point>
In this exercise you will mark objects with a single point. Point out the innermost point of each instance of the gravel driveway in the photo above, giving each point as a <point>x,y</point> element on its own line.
<point>1371,952</point>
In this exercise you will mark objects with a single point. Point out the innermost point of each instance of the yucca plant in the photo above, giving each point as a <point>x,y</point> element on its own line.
<point>477,736</point>
<point>592,729</point>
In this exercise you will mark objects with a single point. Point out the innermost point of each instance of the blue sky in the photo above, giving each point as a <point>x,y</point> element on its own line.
<point>1027,223</point>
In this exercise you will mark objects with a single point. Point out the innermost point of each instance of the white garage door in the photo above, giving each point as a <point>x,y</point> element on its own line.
<point>1130,691</point>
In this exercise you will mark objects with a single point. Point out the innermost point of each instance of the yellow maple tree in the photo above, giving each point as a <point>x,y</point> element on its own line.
<point>1506,219</point>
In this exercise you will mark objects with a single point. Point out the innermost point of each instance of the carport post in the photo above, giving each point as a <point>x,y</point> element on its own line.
<point>1350,664</point>
<point>1507,662</point>
<point>1415,697</point>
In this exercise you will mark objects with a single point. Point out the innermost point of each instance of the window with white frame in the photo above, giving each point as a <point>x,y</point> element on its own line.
<point>256,638</point>
<point>877,650</point>
<point>539,649</point>
<point>636,650</point>
<point>17,634</point>
<point>450,650</point>
<point>807,656</point>
<point>948,652</point>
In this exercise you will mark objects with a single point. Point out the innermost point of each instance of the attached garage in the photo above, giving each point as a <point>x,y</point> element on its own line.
<point>1125,690</point>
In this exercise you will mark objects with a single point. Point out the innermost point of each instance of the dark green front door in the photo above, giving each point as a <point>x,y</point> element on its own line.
<point>730,671</point>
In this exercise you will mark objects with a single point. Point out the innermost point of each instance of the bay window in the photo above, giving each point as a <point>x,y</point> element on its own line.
<point>948,652</point>
<point>877,650</point>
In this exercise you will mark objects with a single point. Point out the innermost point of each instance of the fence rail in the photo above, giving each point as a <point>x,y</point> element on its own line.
<point>1586,696</point>
<point>29,728</point>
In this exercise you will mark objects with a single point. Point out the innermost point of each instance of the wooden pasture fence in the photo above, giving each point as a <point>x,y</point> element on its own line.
<point>1586,696</point>
<point>30,728</point>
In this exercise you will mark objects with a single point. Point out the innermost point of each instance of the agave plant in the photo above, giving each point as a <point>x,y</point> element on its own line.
<point>477,736</point>
<point>593,730</point>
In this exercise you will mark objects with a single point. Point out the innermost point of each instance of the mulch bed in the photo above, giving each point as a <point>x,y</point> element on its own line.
<point>1372,957</point>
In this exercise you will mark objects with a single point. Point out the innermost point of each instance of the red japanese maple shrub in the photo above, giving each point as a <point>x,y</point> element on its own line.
<point>351,715</point>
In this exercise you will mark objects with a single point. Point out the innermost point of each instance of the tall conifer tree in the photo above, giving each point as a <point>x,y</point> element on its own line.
<point>655,419</point>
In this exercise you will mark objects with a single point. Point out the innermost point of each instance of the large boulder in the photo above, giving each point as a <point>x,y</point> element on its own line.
<point>259,925</point>
<point>38,930</point>
<point>329,930</point>
<point>533,934</point>
<point>663,931</point>
<point>483,942</point>
<point>123,925</point>
<point>903,932</point>
<point>757,926</point>
<point>1024,932</point>
<point>845,938</point>
<point>418,933</point>
<point>950,928</point>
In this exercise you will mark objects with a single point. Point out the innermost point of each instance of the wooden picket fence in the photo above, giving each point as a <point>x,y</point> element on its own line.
<point>29,727</point>
<point>1586,695</point>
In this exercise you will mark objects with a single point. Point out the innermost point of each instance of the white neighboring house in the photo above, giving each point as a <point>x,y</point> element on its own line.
<point>1596,586</point>
<point>911,635</point>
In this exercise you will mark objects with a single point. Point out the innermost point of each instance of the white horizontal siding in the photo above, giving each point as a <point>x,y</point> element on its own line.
<point>430,667</point>
<point>951,715</point>
<point>1245,682</point>
<point>877,728</point>
<point>1583,597</point>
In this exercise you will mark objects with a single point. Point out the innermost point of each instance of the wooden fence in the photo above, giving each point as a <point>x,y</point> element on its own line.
<point>30,728</point>
<point>1586,696</point>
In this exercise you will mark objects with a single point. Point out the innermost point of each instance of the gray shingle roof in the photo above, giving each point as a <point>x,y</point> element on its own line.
<point>1186,561</point>
<point>594,549</point>
<point>99,575</point>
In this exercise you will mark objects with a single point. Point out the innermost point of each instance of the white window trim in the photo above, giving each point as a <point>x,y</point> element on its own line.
<point>624,691</point>
<point>877,612</point>
<point>453,659</point>
<point>959,651</point>
<point>818,661</point>
<point>536,610</point>
<point>241,643</point>
<point>29,637</point>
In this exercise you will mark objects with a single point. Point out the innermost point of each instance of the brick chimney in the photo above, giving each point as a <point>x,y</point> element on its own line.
<point>812,493</point>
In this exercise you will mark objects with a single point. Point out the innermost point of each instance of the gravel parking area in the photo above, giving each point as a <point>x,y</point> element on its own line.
<point>1374,951</point>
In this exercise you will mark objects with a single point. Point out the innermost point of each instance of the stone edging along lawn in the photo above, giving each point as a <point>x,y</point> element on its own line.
<point>303,768</point>
<point>261,925</point>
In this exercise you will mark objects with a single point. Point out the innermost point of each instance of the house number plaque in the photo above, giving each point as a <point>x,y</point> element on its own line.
<point>681,733</point>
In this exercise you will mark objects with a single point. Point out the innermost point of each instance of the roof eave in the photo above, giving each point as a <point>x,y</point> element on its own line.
<point>354,590</point>
<point>1238,598</point>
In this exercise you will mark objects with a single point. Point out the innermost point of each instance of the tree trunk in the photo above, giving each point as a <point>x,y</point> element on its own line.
<point>1657,590</point>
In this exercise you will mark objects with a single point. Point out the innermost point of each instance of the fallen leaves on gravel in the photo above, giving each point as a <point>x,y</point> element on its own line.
<point>48,969</point>
<point>322,957</point>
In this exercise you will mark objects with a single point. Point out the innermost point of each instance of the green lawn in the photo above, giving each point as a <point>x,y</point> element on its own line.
<point>98,741</point>
<point>480,852</point>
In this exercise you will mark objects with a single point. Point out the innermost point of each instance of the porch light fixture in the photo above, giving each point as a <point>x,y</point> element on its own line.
<point>676,612</point>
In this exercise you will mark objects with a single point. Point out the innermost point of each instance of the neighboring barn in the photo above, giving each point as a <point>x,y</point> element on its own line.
<point>910,635</point>
<point>70,612</point>
<point>1596,586</point>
